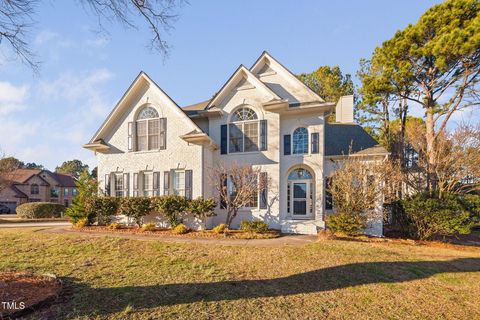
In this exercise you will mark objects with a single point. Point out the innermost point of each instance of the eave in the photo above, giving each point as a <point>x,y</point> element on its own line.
<point>283,107</point>
<point>97,147</point>
<point>199,138</point>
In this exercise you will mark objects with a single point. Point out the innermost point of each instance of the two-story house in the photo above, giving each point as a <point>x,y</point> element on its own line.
<point>32,185</point>
<point>262,116</point>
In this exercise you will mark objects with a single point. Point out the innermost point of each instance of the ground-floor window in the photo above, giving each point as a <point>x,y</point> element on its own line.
<point>118,184</point>
<point>179,182</point>
<point>148,184</point>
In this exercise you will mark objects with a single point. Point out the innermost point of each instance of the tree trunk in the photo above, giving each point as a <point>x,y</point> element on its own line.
<point>431,147</point>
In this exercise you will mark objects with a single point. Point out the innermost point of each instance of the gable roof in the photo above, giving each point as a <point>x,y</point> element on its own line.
<point>64,180</point>
<point>142,76</point>
<point>265,56</point>
<point>251,76</point>
<point>339,138</point>
<point>22,175</point>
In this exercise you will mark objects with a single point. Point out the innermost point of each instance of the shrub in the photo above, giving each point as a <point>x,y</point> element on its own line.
<point>114,226</point>
<point>172,206</point>
<point>254,226</point>
<point>87,188</point>
<point>33,210</point>
<point>427,216</point>
<point>221,228</point>
<point>180,229</point>
<point>149,227</point>
<point>135,208</point>
<point>349,224</point>
<point>101,209</point>
<point>202,208</point>
<point>83,222</point>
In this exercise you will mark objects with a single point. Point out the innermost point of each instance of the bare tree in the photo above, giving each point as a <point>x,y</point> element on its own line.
<point>237,186</point>
<point>16,20</point>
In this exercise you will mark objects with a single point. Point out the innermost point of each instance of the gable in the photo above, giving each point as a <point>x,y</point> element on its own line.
<point>242,79</point>
<point>137,90</point>
<point>283,82</point>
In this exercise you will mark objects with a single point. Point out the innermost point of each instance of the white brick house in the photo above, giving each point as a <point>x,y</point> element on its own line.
<point>263,116</point>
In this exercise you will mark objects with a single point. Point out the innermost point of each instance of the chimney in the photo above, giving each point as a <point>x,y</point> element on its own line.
<point>344,109</point>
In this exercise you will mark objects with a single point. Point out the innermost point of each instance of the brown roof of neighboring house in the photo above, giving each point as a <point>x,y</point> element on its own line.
<point>18,192</point>
<point>22,175</point>
<point>63,179</point>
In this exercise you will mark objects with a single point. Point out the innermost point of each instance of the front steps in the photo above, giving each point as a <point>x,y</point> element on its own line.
<point>302,226</point>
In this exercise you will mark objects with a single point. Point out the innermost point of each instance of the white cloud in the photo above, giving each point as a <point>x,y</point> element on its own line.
<point>12,98</point>
<point>44,37</point>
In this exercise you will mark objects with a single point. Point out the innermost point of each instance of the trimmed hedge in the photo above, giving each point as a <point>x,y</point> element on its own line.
<point>35,210</point>
<point>253,226</point>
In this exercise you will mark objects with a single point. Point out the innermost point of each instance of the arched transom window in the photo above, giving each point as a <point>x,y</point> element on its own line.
<point>300,141</point>
<point>148,129</point>
<point>244,131</point>
<point>300,193</point>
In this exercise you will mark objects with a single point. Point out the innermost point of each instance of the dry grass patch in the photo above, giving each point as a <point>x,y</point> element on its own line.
<point>115,278</point>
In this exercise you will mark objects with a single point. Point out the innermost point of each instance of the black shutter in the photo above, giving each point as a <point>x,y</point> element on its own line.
<point>223,139</point>
<point>166,182</point>
<point>263,135</point>
<point>287,144</point>
<point>223,187</point>
<point>135,184</point>
<point>188,184</point>
<point>163,134</point>
<point>156,183</point>
<point>107,185</point>
<point>264,190</point>
<point>315,143</point>
<point>126,184</point>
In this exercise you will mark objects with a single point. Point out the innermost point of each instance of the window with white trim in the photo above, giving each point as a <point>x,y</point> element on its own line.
<point>244,131</point>
<point>118,184</point>
<point>148,184</point>
<point>148,129</point>
<point>178,185</point>
<point>300,141</point>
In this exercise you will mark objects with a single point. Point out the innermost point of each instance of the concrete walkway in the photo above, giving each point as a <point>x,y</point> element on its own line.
<point>35,224</point>
<point>285,240</point>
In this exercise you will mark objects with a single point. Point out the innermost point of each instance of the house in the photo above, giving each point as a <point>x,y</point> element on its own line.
<point>262,116</point>
<point>32,185</point>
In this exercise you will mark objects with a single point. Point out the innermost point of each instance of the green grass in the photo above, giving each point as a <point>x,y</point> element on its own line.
<point>115,278</point>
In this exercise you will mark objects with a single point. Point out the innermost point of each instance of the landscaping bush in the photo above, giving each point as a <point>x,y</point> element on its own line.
<point>427,216</point>
<point>221,228</point>
<point>114,226</point>
<point>35,210</point>
<point>172,206</point>
<point>180,229</point>
<point>349,224</point>
<point>149,227</point>
<point>83,222</point>
<point>101,209</point>
<point>202,208</point>
<point>253,226</point>
<point>135,208</point>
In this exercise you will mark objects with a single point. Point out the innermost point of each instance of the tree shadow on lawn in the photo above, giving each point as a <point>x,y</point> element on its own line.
<point>102,301</point>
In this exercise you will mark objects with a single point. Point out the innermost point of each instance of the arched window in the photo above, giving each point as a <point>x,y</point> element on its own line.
<point>148,129</point>
<point>300,141</point>
<point>34,189</point>
<point>244,131</point>
<point>300,193</point>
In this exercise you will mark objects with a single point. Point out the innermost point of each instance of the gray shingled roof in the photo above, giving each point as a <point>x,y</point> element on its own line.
<point>339,137</point>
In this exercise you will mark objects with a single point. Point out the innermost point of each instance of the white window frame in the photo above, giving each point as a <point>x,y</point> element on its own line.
<point>118,192</point>
<point>147,192</point>
<point>241,126</point>
<point>173,188</point>
<point>293,143</point>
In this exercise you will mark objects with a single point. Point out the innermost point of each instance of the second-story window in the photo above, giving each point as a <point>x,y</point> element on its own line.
<point>148,129</point>
<point>300,141</point>
<point>243,131</point>
<point>34,189</point>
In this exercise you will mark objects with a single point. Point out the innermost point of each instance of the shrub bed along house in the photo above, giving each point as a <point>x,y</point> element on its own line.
<point>33,210</point>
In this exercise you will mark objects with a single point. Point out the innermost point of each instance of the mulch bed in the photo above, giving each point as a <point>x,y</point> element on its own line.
<point>22,293</point>
<point>204,234</point>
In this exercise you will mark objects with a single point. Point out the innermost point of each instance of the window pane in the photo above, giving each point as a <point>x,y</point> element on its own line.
<point>244,114</point>
<point>147,113</point>
<point>300,141</point>
<point>236,138</point>
<point>251,136</point>
<point>148,184</point>
<point>142,135</point>
<point>179,182</point>
<point>153,132</point>
<point>300,190</point>
<point>118,185</point>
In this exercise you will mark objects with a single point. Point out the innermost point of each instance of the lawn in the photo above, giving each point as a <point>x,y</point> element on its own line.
<point>112,278</point>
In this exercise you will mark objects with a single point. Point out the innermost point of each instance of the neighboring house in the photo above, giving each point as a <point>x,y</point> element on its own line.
<point>262,116</point>
<point>31,185</point>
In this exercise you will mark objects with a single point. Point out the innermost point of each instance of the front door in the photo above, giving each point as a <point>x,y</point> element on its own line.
<point>300,198</point>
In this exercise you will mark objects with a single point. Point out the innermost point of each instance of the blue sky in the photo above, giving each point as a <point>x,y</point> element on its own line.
<point>46,118</point>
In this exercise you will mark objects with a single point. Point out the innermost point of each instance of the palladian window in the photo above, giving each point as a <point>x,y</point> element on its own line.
<point>244,131</point>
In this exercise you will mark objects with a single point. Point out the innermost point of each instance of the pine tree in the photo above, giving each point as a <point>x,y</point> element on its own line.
<point>87,188</point>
